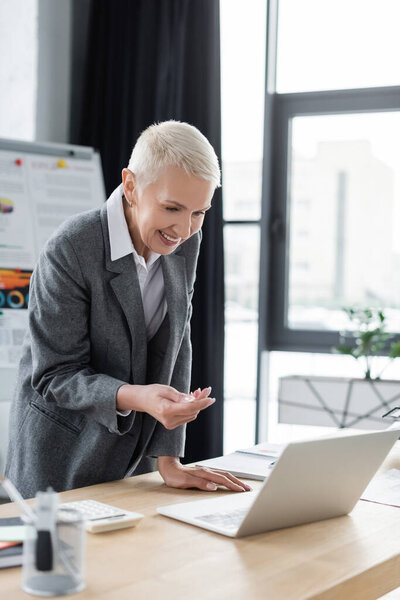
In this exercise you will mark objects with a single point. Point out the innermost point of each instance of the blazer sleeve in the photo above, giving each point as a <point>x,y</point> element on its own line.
<point>59,314</point>
<point>166,442</point>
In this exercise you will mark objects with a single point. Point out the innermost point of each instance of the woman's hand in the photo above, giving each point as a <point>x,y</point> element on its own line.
<point>181,476</point>
<point>163,402</point>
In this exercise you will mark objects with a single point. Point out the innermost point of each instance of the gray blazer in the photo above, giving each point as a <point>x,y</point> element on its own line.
<point>86,338</point>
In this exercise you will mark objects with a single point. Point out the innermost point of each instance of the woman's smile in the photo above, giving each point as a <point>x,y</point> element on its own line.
<point>169,240</point>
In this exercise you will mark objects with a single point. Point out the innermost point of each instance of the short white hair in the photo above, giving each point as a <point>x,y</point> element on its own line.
<point>173,144</point>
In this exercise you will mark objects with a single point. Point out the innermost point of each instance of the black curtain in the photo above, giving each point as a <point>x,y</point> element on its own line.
<point>149,61</point>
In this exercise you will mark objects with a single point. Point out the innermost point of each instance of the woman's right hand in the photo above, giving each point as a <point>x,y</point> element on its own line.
<point>163,402</point>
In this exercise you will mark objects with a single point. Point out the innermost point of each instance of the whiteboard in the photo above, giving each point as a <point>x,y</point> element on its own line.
<point>41,185</point>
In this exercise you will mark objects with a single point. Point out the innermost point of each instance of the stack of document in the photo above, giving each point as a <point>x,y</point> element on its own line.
<point>384,488</point>
<point>12,533</point>
<point>251,463</point>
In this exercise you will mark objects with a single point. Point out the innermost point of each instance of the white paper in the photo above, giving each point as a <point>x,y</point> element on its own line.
<point>38,192</point>
<point>13,533</point>
<point>264,449</point>
<point>384,488</point>
<point>36,196</point>
<point>58,193</point>
<point>241,465</point>
<point>17,235</point>
<point>13,326</point>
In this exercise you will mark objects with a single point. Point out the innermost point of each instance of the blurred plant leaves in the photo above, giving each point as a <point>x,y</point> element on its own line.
<point>369,335</point>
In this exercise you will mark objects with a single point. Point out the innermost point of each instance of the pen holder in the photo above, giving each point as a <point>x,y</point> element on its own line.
<point>54,561</point>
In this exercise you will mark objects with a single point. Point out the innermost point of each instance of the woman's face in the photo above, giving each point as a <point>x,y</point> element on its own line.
<point>167,212</point>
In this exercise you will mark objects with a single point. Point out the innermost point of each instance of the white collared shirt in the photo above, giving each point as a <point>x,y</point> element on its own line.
<point>150,275</point>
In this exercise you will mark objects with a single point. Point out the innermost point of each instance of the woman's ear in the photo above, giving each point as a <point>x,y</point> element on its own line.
<point>129,183</point>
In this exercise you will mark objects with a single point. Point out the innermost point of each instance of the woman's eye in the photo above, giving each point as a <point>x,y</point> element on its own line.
<point>171,208</point>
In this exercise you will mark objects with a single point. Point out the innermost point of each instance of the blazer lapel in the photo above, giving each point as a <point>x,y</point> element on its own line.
<point>127,291</point>
<point>176,293</point>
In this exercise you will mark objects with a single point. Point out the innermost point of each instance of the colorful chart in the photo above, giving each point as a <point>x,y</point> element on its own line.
<point>6,205</point>
<point>14,288</point>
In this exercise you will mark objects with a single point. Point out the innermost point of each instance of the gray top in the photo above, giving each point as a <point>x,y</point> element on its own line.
<point>86,338</point>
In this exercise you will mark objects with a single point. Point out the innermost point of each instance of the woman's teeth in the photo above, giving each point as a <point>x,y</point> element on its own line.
<point>169,238</point>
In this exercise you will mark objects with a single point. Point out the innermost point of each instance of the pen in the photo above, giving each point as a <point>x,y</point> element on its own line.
<point>16,497</point>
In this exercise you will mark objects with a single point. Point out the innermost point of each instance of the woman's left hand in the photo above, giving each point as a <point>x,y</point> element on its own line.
<point>181,476</point>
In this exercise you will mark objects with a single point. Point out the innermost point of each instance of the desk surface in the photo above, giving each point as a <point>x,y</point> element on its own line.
<point>353,557</point>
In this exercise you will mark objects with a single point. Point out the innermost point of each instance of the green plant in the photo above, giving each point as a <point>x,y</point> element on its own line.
<point>370,338</point>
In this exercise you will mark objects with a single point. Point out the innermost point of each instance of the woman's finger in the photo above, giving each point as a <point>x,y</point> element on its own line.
<point>200,394</point>
<point>221,479</point>
<point>179,420</point>
<point>192,481</point>
<point>204,393</point>
<point>172,394</point>
<point>187,409</point>
<point>169,393</point>
<point>186,420</point>
<point>234,479</point>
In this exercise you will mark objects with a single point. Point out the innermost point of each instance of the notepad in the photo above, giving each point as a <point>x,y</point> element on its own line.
<point>15,533</point>
<point>11,556</point>
<point>264,449</point>
<point>251,463</point>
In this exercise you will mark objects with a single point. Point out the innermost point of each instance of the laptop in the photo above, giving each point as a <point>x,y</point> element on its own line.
<point>311,481</point>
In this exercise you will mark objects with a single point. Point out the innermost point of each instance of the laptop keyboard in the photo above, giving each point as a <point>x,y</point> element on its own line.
<point>227,520</point>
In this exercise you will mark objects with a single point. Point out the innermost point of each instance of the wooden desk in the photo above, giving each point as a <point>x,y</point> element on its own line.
<point>356,557</point>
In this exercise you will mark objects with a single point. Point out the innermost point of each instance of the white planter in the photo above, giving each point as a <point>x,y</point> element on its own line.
<point>336,401</point>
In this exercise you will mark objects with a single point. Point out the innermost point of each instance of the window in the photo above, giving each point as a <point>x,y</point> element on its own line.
<point>347,165</point>
<point>242,92</point>
<point>337,44</point>
<point>334,195</point>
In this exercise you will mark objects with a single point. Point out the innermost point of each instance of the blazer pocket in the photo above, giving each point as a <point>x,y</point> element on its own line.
<point>56,418</point>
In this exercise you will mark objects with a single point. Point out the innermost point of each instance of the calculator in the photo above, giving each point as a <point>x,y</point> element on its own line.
<point>99,517</point>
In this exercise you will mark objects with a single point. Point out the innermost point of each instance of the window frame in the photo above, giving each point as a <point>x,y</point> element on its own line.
<point>280,109</point>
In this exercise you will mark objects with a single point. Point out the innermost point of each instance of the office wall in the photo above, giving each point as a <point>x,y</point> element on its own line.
<point>18,68</point>
<point>54,70</point>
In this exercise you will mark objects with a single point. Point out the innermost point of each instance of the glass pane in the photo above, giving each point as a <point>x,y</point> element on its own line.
<point>242,105</point>
<point>344,218</point>
<point>337,44</point>
<point>241,333</point>
<point>242,190</point>
<point>242,248</point>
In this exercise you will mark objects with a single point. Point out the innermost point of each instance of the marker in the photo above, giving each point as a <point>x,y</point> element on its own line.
<point>18,162</point>
<point>61,163</point>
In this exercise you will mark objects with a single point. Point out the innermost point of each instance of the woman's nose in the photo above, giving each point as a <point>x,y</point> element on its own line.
<point>185,227</point>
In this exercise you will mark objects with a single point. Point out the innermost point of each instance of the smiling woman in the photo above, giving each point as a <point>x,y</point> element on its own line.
<point>103,383</point>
